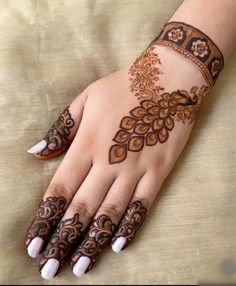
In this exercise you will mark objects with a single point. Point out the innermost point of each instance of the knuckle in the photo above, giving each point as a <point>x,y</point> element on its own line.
<point>85,210</point>
<point>60,190</point>
<point>111,210</point>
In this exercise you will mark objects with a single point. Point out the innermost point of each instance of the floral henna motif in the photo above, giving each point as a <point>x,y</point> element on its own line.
<point>144,75</point>
<point>98,236</point>
<point>131,222</point>
<point>57,137</point>
<point>62,241</point>
<point>47,217</point>
<point>154,118</point>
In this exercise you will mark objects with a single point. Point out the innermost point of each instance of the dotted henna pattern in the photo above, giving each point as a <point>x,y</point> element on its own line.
<point>62,241</point>
<point>98,236</point>
<point>153,119</point>
<point>47,217</point>
<point>131,222</point>
<point>57,137</point>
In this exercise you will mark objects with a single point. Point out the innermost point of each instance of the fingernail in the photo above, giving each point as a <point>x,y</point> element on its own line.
<point>119,244</point>
<point>50,268</point>
<point>35,247</point>
<point>38,147</point>
<point>81,266</point>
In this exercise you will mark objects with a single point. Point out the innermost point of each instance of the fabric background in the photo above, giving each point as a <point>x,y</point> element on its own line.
<point>50,50</point>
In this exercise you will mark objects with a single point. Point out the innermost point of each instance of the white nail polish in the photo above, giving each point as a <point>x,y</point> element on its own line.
<point>35,246</point>
<point>81,266</point>
<point>50,268</point>
<point>119,244</point>
<point>38,147</point>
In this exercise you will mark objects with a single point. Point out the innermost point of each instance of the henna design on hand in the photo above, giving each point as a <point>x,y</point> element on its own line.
<point>64,238</point>
<point>155,117</point>
<point>98,236</point>
<point>57,137</point>
<point>131,222</point>
<point>47,217</point>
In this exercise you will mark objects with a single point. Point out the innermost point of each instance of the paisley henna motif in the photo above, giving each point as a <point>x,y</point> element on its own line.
<point>98,236</point>
<point>47,217</point>
<point>131,222</point>
<point>57,137</point>
<point>62,241</point>
<point>154,118</point>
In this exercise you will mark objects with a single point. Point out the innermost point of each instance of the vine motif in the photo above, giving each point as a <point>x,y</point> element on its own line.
<point>57,136</point>
<point>62,240</point>
<point>131,222</point>
<point>98,236</point>
<point>46,218</point>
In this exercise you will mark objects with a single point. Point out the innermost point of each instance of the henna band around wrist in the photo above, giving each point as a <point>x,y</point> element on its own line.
<point>194,45</point>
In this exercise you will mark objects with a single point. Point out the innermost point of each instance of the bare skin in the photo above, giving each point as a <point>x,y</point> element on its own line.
<point>105,176</point>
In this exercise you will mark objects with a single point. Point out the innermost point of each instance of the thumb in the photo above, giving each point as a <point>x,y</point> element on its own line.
<point>61,133</point>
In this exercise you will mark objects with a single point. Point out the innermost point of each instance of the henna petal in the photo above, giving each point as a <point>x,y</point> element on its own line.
<point>117,153</point>
<point>149,118</point>
<point>138,112</point>
<point>154,110</point>
<point>169,123</point>
<point>147,104</point>
<point>158,124</point>
<point>127,122</point>
<point>163,135</point>
<point>141,129</point>
<point>122,136</point>
<point>135,143</point>
<point>164,112</point>
<point>163,103</point>
<point>166,96</point>
<point>151,138</point>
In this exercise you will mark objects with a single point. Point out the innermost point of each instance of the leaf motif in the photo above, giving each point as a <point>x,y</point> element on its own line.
<point>141,129</point>
<point>169,123</point>
<point>149,118</point>
<point>117,153</point>
<point>158,124</point>
<point>135,143</point>
<point>164,112</point>
<point>138,112</point>
<point>147,104</point>
<point>154,110</point>
<point>163,135</point>
<point>122,136</point>
<point>128,122</point>
<point>163,103</point>
<point>151,138</point>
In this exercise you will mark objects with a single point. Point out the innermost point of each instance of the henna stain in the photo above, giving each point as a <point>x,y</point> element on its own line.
<point>62,241</point>
<point>57,137</point>
<point>98,236</point>
<point>153,119</point>
<point>48,215</point>
<point>131,222</point>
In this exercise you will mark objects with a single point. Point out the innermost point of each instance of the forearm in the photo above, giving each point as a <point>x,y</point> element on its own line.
<point>215,18</point>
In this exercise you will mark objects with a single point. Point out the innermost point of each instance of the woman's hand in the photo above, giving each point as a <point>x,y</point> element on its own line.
<point>126,132</point>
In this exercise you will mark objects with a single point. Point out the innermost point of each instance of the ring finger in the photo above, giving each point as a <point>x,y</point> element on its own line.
<point>104,223</point>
